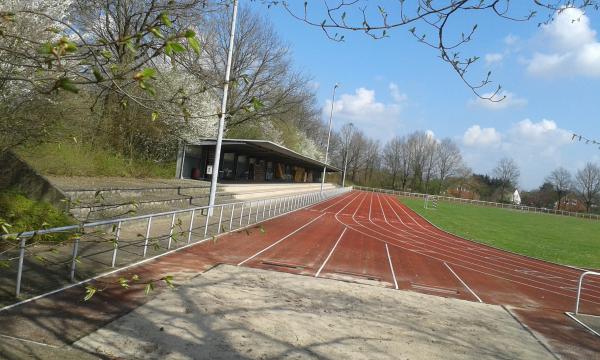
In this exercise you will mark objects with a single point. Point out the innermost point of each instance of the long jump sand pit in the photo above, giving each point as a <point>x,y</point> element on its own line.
<point>234,312</point>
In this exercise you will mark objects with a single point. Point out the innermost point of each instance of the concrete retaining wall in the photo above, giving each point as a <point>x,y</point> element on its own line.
<point>16,173</point>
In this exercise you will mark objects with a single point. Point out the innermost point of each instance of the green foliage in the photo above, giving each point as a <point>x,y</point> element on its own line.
<point>18,213</point>
<point>560,239</point>
<point>72,159</point>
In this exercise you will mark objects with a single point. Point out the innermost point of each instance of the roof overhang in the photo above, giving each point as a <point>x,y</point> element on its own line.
<point>266,148</point>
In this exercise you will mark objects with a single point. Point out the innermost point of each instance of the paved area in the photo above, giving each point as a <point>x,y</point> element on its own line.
<point>233,312</point>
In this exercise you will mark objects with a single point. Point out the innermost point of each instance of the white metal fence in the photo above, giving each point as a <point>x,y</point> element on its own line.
<point>51,257</point>
<point>483,203</point>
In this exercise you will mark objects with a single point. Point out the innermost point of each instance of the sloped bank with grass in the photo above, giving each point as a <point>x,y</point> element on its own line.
<point>18,213</point>
<point>559,239</point>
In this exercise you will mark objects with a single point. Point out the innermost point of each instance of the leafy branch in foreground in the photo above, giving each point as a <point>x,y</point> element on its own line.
<point>126,283</point>
<point>429,22</point>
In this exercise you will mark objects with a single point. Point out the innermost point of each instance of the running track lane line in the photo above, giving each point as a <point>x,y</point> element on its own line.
<point>280,240</point>
<point>331,252</point>
<point>462,282</point>
<point>455,250</point>
<point>486,270</point>
<point>452,241</point>
<point>391,266</point>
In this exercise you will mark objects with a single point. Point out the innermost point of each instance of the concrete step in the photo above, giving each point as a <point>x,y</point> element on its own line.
<point>260,191</point>
<point>93,199</point>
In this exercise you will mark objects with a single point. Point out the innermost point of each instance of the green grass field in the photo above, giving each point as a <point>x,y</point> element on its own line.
<point>560,239</point>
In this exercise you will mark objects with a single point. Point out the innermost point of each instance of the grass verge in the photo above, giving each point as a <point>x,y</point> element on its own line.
<point>71,159</point>
<point>23,214</point>
<point>559,239</point>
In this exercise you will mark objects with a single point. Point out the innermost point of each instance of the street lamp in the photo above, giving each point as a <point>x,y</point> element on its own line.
<point>215,174</point>
<point>346,154</point>
<point>328,137</point>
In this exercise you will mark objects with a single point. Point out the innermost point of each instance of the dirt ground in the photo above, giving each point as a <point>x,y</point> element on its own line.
<point>233,312</point>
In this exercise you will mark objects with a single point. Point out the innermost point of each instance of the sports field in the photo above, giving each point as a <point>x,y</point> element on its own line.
<point>560,239</point>
<point>368,238</point>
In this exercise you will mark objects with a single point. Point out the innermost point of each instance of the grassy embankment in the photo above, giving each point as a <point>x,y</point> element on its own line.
<point>71,159</point>
<point>22,214</point>
<point>559,239</point>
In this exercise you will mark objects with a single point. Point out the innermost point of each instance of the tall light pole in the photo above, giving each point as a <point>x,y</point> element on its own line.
<point>346,154</point>
<point>328,137</point>
<point>215,174</point>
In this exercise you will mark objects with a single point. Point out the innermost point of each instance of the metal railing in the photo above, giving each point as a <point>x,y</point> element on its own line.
<point>118,233</point>
<point>583,275</point>
<point>483,203</point>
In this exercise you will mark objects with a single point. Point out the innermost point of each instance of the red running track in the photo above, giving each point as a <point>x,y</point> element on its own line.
<point>371,237</point>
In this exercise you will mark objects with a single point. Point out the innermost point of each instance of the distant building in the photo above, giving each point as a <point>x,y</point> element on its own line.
<point>248,161</point>
<point>516,198</point>
<point>463,192</point>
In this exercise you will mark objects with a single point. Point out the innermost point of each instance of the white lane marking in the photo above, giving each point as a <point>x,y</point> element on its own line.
<point>381,206</point>
<point>370,204</point>
<point>339,200</point>
<point>453,248</point>
<point>359,205</point>
<point>464,283</point>
<point>350,202</point>
<point>29,341</point>
<point>512,257</point>
<point>486,272</point>
<point>280,240</point>
<point>470,265</point>
<point>331,252</point>
<point>391,266</point>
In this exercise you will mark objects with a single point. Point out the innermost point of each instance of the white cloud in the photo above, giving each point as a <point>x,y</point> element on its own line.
<point>511,39</point>
<point>493,58</point>
<point>502,100</point>
<point>477,136</point>
<point>538,147</point>
<point>358,105</point>
<point>378,119</point>
<point>571,47</point>
<point>396,94</point>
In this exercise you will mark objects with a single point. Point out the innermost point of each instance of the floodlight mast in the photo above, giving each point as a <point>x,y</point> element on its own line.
<point>215,173</point>
<point>346,160</point>
<point>328,137</point>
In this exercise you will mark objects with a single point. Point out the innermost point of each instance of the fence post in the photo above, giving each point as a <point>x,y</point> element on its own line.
<point>231,218</point>
<point>257,209</point>
<point>74,260</point>
<point>249,213</point>
<point>220,219</point>
<point>116,245</point>
<point>208,211</point>
<point>191,225</point>
<point>20,269</point>
<point>147,235</point>
<point>171,231</point>
<point>242,214</point>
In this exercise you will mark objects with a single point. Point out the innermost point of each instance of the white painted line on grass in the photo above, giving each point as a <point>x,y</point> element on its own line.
<point>331,252</point>
<point>391,266</point>
<point>280,240</point>
<point>462,282</point>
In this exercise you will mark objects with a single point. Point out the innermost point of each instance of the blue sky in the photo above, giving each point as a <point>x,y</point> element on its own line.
<point>395,86</point>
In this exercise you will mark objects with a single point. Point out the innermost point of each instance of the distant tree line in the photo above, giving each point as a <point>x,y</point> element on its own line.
<point>563,191</point>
